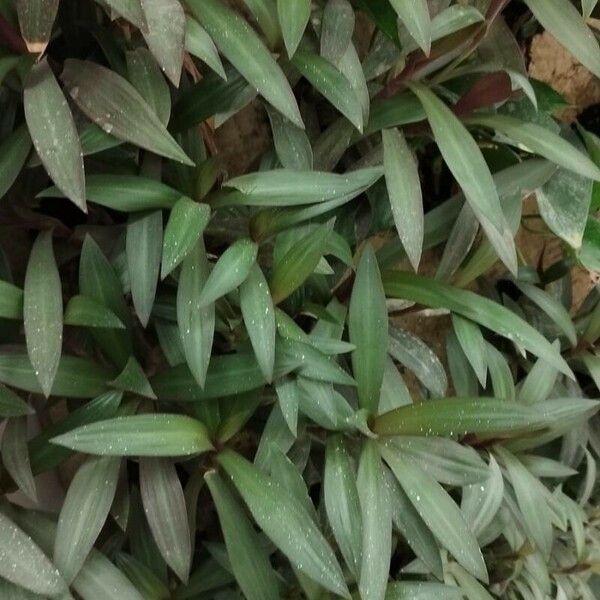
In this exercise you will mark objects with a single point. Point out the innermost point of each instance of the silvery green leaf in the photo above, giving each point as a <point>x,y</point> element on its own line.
<point>500,374</point>
<point>293,19</point>
<point>539,382</point>
<point>291,143</point>
<point>324,405</point>
<point>472,589</point>
<point>473,344</point>
<point>337,28</point>
<point>265,13</point>
<point>15,456</point>
<point>394,392</point>
<point>36,18</point>
<point>415,16</point>
<point>130,10</point>
<point>200,44</point>
<point>542,466</point>
<point>422,591</point>
<point>351,67</point>
<point>288,396</point>
<point>416,356</point>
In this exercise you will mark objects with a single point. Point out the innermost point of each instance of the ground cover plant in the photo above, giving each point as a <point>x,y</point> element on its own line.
<point>334,374</point>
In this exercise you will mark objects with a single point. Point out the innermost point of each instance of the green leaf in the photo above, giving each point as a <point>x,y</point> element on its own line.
<point>11,405</point>
<point>24,564</point>
<point>542,141</point>
<point>133,379</point>
<point>415,16</point>
<point>330,82</point>
<point>415,355</point>
<point>82,311</point>
<point>259,318</point>
<point>563,21</point>
<point>139,435</point>
<point>11,301</point>
<point>165,35</point>
<point>283,187</point>
<point>491,315</point>
<point>337,29</point>
<point>299,262</point>
<point>293,19</point>
<point>450,416</point>
<point>84,512</point>
<point>249,561</point>
<point>36,18</point>
<point>468,584</point>
<point>98,281</point>
<point>185,225</point>
<point>445,460</point>
<point>15,456</point>
<point>131,10</point>
<point>291,143</point>
<point>404,191</point>
<point>500,373</point>
<point>438,510</point>
<point>240,45</point>
<point>53,132</point>
<point>376,523</point>
<point>144,242</point>
<point>465,161</point>
<point>146,581</point>
<point>422,591</point>
<point>14,151</point>
<point>229,272</point>
<point>551,307</point>
<point>164,507</point>
<point>537,518</point>
<point>200,44</point>
<point>43,311</point>
<point>564,203</point>
<point>285,520</point>
<point>342,502</point>
<point>383,16</point>
<point>125,193</point>
<point>472,342</point>
<point>196,322</point>
<point>115,105</point>
<point>265,13</point>
<point>368,330</point>
<point>145,75</point>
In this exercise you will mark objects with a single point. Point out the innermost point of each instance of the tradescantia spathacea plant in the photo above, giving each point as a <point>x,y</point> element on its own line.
<point>224,367</point>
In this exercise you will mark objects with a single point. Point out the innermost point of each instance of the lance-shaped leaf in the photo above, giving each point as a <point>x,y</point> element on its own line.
<point>231,270</point>
<point>450,416</point>
<point>98,281</point>
<point>115,105</point>
<point>164,35</point>
<point>84,512</point>
<point>542,141</point>
<point>43,311</point>
<point>139,435</point>
<point>144,250</point>
<point>53,132</point>
<point>259,318</point>
<point>83,311</point>
<point>196,323</point>
<point>11,301</point>
<point>130,10</point>
<point>36,18</point>
<point>465,161</point>
<point>404,191</point>
<point>146,77</point>
<point>330,82</point>
<point>563,21</point>
<point>537,518</point>
<point>376,523</point>
<point>200,44</point>
<point>368,329</point>
<point>146,581</point>
<point>342,502</point>
<point>133,379</point>
<point>265,13</point>
<point>285,520</point>
<point>299,262</point>
<point>249,560</point>
<point>291,143</point>
<point>336,30</point>
<point>164,507</point>
<point>14,151</point>
<point>416,355</point>
<point>240,45</point>
<point>185,225</point>
<point>15,456</point>
<point>472,342</point>
<point>11,405</point>
<point>283,187</point>
<point>438,510</point>
<point>293,19</point>
<point>23,563</point>
<point>125,193</point>
<point>415,16</point>
<point>491,315</point>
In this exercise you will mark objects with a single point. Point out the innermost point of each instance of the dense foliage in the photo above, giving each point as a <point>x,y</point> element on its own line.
<point>335,374</point>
